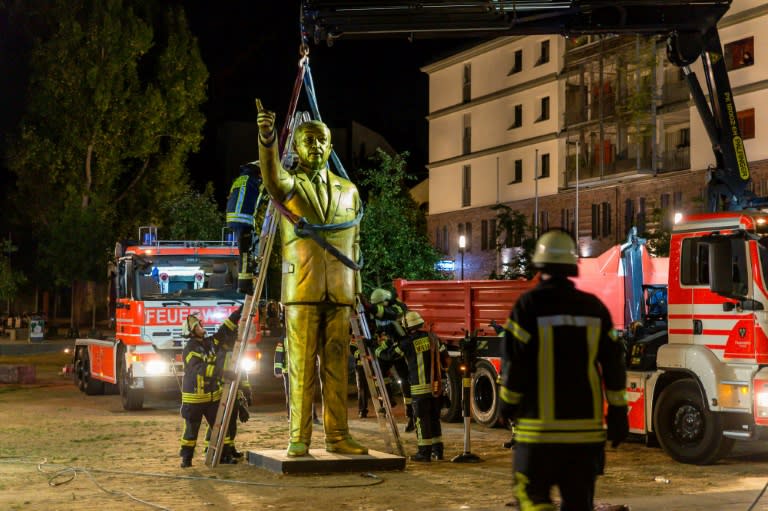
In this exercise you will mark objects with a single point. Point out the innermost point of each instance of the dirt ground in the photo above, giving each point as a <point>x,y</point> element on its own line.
<point>63,450</point>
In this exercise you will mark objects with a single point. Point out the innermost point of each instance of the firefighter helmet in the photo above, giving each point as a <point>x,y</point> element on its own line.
<point>189,324</point>
<point>412,319</point>
<point>555,253</point>
<point>380,295</point>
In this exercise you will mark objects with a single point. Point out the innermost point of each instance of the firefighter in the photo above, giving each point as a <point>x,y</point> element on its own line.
<point>241,207</point>
<point>426,357</point>
<point>388,312</point>
<point>560,349</point>
<point>201,385</point>
<point>281,371</point>
<point>363,392</point>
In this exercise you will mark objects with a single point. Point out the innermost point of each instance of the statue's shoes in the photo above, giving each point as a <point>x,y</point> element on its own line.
<point>296,449</point>
<point>346,446</point>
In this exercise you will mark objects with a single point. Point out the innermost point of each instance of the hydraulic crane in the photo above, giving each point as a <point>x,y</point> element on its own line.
<point>690,28</point>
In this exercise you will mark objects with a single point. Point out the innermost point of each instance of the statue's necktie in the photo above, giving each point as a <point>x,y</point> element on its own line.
<point>322,192</point>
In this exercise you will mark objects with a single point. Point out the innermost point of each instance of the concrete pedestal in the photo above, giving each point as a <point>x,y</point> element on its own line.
<point>319,461</point>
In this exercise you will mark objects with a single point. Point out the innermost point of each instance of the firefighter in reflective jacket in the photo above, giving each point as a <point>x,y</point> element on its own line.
<point>241,207</point>
<point>388,313</point>
<point>426,357</point>
<point>560,350</point>
<point>201,385</point>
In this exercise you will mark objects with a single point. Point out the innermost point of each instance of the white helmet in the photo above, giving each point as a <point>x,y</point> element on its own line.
<point>189,324</point>
<point>412,319</point>
<point>555,252</point>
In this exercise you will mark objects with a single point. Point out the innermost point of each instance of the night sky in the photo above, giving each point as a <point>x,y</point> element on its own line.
<point>254,53</point>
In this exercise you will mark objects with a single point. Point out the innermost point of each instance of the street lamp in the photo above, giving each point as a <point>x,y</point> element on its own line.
<point>462,246</point>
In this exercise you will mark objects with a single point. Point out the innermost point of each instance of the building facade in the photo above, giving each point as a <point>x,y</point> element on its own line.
<point>593,134</point>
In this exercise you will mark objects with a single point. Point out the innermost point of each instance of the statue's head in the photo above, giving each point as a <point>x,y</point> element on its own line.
<point>312,143</point>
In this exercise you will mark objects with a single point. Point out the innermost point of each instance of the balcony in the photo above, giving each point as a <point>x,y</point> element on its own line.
<point>672,92</point>
<point>678,158</point>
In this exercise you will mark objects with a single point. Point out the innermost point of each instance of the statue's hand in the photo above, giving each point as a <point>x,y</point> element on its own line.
<point>265,120</point>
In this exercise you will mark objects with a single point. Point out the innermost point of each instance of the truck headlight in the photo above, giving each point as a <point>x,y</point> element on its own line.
<point>761,402</point>
<point>247,364</point>
<point>156,367</point>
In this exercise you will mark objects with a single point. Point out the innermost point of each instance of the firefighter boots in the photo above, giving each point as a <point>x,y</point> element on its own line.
<point>437,451</point>
<point>186,457</point>
<point>424,454</point>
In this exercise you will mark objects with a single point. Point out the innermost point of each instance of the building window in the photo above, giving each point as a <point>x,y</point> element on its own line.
<point>518,176</point>
<point>466,140</point>
<point>483,234</point>
<point>466,185</point>
<point>739,53</point>
<point>543,53</point>
<point>640,222</point>
<point>543,221</point>
<point>666,214</point>
<point>518,120</point>
<point>492,234</point>
<point>438,241</point>
<point>629,214</point>
<point>595,221</point>
<point>606,217</point>
<point>466,90</point>
<point>677,200</point>
<point>445,239</point>
<point>518,64</point>
<point>544,166</point>
<point>468,233</point>
<point>543,109</point>
<point>746,123</point>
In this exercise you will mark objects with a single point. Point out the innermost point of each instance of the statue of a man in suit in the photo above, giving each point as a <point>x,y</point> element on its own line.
<point>318,290</point>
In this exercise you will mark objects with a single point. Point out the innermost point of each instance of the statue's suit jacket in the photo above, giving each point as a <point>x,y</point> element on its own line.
<point>310,273</point>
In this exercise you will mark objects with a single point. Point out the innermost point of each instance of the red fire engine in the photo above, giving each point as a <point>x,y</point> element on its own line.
<point>156,285</point>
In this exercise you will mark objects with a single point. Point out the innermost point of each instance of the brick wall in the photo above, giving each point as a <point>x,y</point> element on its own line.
<point>686,185</point>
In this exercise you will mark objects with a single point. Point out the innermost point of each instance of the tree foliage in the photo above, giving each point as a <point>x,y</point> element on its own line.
<point>112,114</point>
<point>514,238</point>
<point>10,279</point>
<point>192,216</point>
<point>393,238</point>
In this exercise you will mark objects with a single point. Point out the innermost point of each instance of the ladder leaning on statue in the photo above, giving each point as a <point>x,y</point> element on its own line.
<point>263,250</point>
<point>375,381</point>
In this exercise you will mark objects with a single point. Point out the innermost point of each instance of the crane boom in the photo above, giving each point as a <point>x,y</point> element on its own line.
<point>690,28</point>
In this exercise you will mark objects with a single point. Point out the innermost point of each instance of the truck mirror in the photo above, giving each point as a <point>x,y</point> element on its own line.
<point>727,267</point>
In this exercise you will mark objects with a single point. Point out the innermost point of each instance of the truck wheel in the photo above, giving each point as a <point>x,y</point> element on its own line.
<point>91,386</point>
<point>132,399</point>
<point>77,370</point>
<point>452,394</point>
<point>685,427</point>
<point>485,395</point>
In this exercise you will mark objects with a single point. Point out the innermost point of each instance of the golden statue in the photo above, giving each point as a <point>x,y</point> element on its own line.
<point>319,290</point>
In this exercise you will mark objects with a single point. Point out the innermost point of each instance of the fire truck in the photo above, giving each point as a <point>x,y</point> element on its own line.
<point>155,285</point>
<point>698,345</point>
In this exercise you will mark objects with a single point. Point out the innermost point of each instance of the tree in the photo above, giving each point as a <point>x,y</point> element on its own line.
<point>658,232</point>
<point>112,113</point>
<point>513,232</point>
<point>392,241</point>
<point>192,216</point>
<point>10,280</point>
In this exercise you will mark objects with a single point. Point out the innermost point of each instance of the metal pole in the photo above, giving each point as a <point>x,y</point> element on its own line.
<point>536,200</point>
<point>576,220</point>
